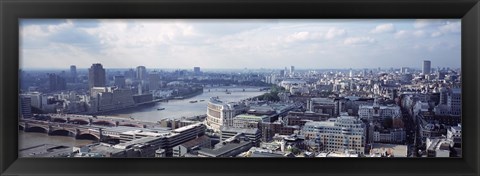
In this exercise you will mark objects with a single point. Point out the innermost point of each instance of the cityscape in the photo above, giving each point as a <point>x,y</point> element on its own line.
<point>77,107</point>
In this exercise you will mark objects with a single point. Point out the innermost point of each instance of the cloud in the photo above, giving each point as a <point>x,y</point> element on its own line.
<point>404,34</point>
<point>303,36</point>
<point>425,23</point>
<point>242,43</point>
<point>359,41</point>
<point>436,34</point>
<point>335,32</point>
<point>450,27</point>
<point>419,33</point>
<point>383,28</point>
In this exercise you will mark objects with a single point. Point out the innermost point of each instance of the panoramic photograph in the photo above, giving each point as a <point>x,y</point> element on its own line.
<point>315,88</point>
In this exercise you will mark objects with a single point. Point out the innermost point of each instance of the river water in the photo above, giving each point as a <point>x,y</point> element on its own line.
<point>176,109</point>
<point>173,109</point>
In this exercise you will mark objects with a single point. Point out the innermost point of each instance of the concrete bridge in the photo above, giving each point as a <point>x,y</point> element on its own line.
<point>63,129</point>
<point>99,120</point>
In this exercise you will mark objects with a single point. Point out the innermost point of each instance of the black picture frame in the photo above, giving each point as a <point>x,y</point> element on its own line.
<point>12,10</point>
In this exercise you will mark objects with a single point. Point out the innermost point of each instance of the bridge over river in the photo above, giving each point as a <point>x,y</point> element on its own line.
<point>81,126</point>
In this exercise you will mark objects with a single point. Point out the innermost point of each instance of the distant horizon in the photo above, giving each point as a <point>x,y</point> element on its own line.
<point>240,43</point>
<point>201,69</point>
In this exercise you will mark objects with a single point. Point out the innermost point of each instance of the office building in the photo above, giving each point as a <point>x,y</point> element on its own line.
<point>129,74</point>
<point>196,70</point>
<point>109,98</point>
<point>227,149</point>
<point>345,133</point>
<point>221,114</point>
<point>376,111</point>
<point>426,67</point>
<point>141,73</point>
<point>249,121</point>
<point>73,73</point>
<point>25,107</point>
<point>154,81</point>
<point>56,82</point>
<point>96,76</point>
<point>253,134</point>
<point>189,146</point>
<point>119,81</point>
<point>455,101</point>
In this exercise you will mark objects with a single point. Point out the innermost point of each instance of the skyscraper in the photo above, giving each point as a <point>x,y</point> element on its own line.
<point>154,81</point>
<point>141,73</point>
<point>426,67</point>
<point>73,73</point>
<point>96,76</point>
<point>56,82</point>
<point>292,69</point>
<point>25,106</point>
<point>119,81</point>
<point>196,70</point>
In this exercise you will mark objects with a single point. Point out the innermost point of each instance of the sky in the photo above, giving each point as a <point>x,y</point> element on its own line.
<point>239,43</point>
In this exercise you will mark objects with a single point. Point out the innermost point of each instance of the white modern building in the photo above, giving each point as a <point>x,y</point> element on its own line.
<point>221,114</point>
<point>376,111</point>
<point>345,133</point>
<point>109,98</point>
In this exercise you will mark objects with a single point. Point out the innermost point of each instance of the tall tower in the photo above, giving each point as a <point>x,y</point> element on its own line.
<point>292,70</point>
<point>196,70</point>
<point>25,106</point>
<point>73,73</point>
<point>141,73</point>
<point>96,76</point>
<point>426,67</point>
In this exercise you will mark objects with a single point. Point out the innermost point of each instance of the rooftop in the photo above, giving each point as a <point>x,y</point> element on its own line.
<point>224,149</point>
<point>240,130</point>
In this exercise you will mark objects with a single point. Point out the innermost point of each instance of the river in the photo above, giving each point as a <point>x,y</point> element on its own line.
<point>176,109</point>
<point>173,109</point>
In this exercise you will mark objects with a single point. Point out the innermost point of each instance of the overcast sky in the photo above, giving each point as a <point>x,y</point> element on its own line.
<point>179,43</point>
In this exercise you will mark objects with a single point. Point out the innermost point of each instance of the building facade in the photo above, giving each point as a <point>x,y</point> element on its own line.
<point>221,114</point>
<point>345,133</point>
<point>96,76</point>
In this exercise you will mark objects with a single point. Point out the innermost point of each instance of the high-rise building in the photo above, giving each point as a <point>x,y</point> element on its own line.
<point>73,73</point>
<point>426,67</point>
<point>96,76</point>
<point>196,70</point>
<point>129,74</point>
<point>141,73</point>
<point>154,81</point>
<point>56,82</point>
<point>455,101</point>
<point>119,81</point>
<point>292,70</point>
<point>25,106</point>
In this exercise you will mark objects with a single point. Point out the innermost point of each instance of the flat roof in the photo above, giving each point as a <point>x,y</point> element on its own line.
<point>240,130</point>
<point>181,129</point>
<point>224,149</point>
<point>136,141</point>
<point>396,149</point>
<point>248,116</point>
<point>258,154</point>
<point>319,123</point>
